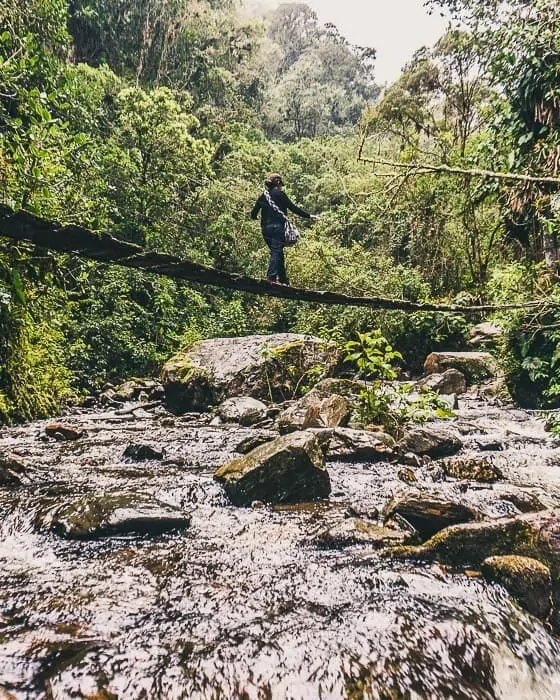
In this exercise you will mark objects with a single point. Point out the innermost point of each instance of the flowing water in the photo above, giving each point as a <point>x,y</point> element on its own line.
<point>246,602</point>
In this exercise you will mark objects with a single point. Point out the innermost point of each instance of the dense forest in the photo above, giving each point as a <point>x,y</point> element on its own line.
<point>156,121</point>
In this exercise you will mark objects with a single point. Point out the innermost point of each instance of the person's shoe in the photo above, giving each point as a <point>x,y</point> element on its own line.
<point>272,280</point>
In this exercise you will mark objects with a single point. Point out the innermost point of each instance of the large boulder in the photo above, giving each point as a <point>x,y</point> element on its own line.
<point>266,367</point>
<point>92,517</point>
<point>488,543</point>
<point>290,469</point>
<point>535,535</point>
<point>427,513</point>
<point>435,441</point>
<point>476,366</point>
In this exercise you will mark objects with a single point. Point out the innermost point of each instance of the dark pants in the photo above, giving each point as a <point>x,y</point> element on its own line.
<point>276,265</point>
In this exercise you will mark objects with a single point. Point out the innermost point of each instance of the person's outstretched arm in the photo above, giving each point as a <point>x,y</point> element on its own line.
<point>292,207</point>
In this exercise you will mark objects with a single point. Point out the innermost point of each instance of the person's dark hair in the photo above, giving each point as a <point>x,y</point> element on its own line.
<point>273,180</point>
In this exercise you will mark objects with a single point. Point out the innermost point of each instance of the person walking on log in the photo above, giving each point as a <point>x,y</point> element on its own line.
<point>273,223</point>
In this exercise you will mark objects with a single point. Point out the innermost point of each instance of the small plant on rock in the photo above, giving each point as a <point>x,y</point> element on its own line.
<point>381,401</point>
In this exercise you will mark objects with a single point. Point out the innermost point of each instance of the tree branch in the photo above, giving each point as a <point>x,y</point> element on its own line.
<point>424,168</point>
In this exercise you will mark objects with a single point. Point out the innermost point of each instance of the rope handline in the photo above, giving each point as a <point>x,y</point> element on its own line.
<point>24,226</point>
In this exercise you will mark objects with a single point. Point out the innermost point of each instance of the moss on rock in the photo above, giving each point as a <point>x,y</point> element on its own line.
<point>529,581</point>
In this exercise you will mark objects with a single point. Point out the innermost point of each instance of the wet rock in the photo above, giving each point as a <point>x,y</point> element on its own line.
<point>434,442</point>
<point>93,517</point>
<point>407,475</point>
<point>287,470</point>
<point>536,535</point>
<point>157,393</point>
<point>108,397</point>
<point>485,335</point>
<point>126,391</point>
<point>475,468</point>
<point>434,472</point>
<point>328,405</point>
<point>450,382</point>
<point>496,389</point>
<point>134,389</point>
<point>139,451</point>
<point>357,512</point>
<point>523,501</point>
<point>12,470</point>
<point>63,431</point>
<point>360,445</point>
<point>411,459</point>
<point>348,388</point>
<point>476,366</point>
<point>89,402</point>
<point>528,580</point>
<point>355,531</point>
<point>243,410</point>
<point>312,411</point>
<point>267,367</point>
<point>255,440</point>
<point>450,400</point>
<point>428,513</point>
<point>489,446</point>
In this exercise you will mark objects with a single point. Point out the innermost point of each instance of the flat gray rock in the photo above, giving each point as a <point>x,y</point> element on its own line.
<point>93,517</point>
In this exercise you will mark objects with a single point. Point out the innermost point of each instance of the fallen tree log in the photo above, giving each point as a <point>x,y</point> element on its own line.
<point>26,227</point>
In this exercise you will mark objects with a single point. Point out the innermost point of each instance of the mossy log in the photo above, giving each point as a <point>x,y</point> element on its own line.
<point>24,226</point>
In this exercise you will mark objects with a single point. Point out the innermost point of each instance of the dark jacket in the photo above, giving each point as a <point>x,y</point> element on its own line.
<point>269,218</point>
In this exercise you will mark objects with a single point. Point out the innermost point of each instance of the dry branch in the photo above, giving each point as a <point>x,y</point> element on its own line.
<point>425,168</point>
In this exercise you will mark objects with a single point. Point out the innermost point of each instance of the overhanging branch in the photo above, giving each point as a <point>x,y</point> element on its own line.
<point>425,168</point>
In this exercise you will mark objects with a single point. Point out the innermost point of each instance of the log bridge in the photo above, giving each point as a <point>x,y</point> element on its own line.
<point>24,226</point>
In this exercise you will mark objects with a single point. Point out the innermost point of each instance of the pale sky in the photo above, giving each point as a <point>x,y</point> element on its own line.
<point>396,28</point>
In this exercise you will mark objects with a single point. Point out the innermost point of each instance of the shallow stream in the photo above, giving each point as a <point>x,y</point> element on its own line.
<point>246,602</point>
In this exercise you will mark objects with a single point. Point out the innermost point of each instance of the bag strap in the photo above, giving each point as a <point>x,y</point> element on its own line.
<point>273,205</point>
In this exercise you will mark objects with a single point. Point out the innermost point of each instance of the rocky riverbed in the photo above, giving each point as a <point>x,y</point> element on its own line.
<point>126,572</point>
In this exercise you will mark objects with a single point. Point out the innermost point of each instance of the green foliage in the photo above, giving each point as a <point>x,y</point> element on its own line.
<point>35,379</point>
<point>393,407</point>
<point>153,121</point>
<point>318,81</point>
<point>552,424</point>
<point>372,355</point>
<point>382,402</point>
<point>518,46</point>
<point>531,347</point>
